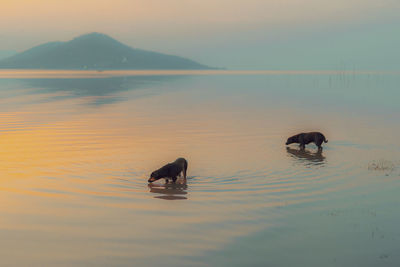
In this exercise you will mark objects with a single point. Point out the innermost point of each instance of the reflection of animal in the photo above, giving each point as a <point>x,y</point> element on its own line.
<point>174,191</point>
<point>171,170</point>
<point>305,138</point>
<point>301,154</point>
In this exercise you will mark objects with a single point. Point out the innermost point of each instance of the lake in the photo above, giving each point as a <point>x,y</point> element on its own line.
<point>77,148</point>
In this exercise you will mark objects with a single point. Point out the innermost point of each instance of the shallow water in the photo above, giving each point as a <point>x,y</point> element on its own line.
<point>76,152</point>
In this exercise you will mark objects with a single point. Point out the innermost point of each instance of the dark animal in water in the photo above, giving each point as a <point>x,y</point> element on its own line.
<point>171,170</point>
<point>305,138</point>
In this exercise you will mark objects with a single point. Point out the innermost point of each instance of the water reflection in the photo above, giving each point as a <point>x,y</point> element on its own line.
<point>305,156</point>
<point>169,191</point>
<point>75,174</point>
<point>98,91</point>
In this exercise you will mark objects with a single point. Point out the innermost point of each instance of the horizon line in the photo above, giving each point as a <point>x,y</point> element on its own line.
<point>73,73</point>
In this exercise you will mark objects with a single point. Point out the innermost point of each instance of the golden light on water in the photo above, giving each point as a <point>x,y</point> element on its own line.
<point>74,164</point>
<point>77,146</point>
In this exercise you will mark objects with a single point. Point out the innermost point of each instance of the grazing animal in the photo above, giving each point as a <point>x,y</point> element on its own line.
<point>171,170</point>
<point>305,138</point>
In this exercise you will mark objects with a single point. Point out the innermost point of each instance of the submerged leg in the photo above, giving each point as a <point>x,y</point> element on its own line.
<point>301,141</point>
<point>318,142</point>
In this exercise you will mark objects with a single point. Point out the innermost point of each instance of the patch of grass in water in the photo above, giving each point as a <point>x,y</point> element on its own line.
<point>381,165</point>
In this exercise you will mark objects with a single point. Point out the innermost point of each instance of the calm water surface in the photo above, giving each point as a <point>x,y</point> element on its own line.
<point>76,152</point>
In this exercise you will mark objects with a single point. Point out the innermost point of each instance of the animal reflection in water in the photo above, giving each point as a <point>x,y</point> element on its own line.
<point>169,191</point>
<point>305,156</point>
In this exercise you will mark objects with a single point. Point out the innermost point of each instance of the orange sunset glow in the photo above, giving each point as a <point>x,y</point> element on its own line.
<point>221,133</point>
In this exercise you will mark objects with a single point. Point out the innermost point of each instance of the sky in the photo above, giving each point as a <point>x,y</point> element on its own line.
<point>237,34</point>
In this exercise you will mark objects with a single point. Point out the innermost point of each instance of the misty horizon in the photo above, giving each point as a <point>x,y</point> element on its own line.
<point>195,133</point>
<point>253,34</point>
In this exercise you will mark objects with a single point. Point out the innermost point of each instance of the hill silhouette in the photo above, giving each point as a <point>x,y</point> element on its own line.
<point>94,51</point>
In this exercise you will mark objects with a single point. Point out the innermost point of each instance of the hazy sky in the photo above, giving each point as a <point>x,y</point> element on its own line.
<point>247,34</point>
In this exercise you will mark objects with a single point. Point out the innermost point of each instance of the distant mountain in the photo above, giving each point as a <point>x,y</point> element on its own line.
<point>94,51</point>
<point>6,53</point>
